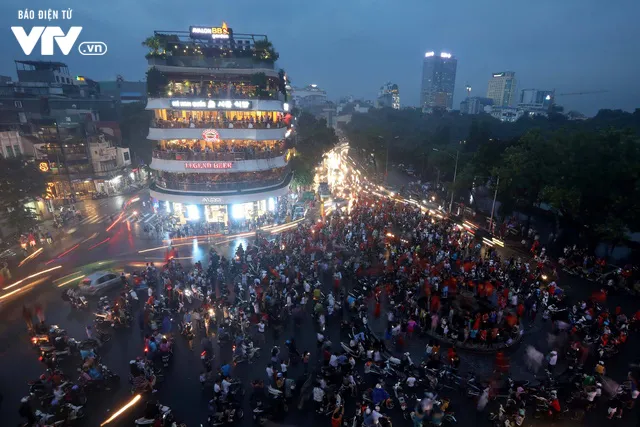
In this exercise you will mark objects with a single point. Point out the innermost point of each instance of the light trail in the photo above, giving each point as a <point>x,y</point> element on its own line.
<point>33,255</point>
<point>128,226</point>
<point>68,250</point>
<point>68,275</point>
<point>24,288</point>
<point>93,236</point>
<point>121,410</point>
<point>115,222</point>
<point>71,280</point>
<point>31,277</point>
<point>98,244</point>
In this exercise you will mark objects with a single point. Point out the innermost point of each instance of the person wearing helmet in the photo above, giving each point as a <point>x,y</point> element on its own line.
<point>519,418</point>
<point>26,411</point>
<point>600,369</point>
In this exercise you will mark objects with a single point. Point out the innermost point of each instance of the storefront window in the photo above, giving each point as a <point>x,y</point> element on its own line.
<point>216,213</point>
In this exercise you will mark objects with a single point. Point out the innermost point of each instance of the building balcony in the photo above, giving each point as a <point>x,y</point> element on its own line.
<point>217,162</point>
<point>213,65</point>
<point>218,124</point>
<point>223,187</point>
<point>158,134</point>
<point>196,103</point>
<point>215,197</point>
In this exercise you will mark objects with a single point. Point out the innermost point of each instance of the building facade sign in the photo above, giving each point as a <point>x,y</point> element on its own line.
<point>208,165</point>
<point>222,32</point>
<point>211,200</point>
<point>210,104</point>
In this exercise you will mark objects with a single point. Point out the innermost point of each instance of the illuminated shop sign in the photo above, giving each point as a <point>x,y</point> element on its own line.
<point>208,165</point>
<point>498,74</point>
<point>211,104</point>
<point>44,166</point>
<point>212,200</point>
<point>222,32</point>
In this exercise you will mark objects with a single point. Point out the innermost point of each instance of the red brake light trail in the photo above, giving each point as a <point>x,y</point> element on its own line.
<point>98,244</point>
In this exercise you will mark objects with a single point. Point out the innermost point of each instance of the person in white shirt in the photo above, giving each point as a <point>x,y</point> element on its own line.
<point>333,361</point>
<point>318,397</point>
<point>411,382</point>
<point>226,385</point>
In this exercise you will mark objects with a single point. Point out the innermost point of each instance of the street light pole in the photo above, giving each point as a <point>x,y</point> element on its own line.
<point>386,164</point>
<point>493,207</point>
<point>455,173</point>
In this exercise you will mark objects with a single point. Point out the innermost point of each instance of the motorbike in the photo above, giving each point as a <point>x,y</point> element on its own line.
<point>402,400</point>
<point>230,412</point>
<point>163,414</point>
<point>248,354</point>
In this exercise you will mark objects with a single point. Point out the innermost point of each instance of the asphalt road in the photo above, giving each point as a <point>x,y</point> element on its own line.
<point>181,390</point>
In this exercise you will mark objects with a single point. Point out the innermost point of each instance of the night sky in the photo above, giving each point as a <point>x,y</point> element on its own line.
<point>354,46</point>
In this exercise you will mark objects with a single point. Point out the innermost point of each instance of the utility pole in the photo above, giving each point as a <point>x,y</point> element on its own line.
<point>453,184</point>
<point>493,207</point>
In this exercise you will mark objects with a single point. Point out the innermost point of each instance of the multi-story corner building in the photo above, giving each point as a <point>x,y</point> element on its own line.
<point>61,119</point>
<point>220,124</point>
<point>389,96</point>
<point>502,88</point>
<point>438,81</point>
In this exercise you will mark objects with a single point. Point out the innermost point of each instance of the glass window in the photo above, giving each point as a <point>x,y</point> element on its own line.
<point>16,149</point>
<point>126,156</point>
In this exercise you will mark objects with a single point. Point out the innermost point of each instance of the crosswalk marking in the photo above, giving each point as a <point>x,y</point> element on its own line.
<point>149,219</point>
<point>88,219</point>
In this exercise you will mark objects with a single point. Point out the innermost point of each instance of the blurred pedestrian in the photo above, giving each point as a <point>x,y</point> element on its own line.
<point>28,318</point>
<point>39,313</point>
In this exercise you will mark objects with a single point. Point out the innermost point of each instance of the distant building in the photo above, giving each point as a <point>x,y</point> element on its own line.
<point>389,96</point>
<point>502,88</point>
<point>475,105</point>
<point>59,118</point>
<point>308,97</point>
<point>438,81</point>
<point>535,100</point>
<point>507,114</point>
<point>124,91</point>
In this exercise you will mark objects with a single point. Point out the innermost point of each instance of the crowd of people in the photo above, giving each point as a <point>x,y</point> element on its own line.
<point>219,90</point>
<point>224,151</point>
<point>228,121</point>
<point>381,279</point>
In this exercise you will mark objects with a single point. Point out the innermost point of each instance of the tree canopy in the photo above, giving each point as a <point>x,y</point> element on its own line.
<point>313,138</point>
<point>587,171</point>
<point>20,182</point>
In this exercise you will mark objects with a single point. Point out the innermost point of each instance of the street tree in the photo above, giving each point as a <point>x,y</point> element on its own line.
<point>20,183</point>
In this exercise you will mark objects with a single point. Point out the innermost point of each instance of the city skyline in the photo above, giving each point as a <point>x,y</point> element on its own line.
<point>565,59</point>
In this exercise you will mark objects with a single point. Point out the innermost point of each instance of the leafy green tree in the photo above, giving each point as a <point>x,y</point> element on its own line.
<point>134,126</point>
<point>20,183</point>
<point>525,170</point>
<point>157,82</point>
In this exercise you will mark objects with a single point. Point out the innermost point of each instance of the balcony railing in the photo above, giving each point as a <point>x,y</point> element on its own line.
<point>218,124</point>
<point>214,63</point>
<point>217,156</point>
<point>223,186</point>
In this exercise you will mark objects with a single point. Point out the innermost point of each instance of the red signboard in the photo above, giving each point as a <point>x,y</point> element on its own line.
<point>208,165</point>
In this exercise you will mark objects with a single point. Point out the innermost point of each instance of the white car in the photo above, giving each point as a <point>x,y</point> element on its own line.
<point>98,282</point>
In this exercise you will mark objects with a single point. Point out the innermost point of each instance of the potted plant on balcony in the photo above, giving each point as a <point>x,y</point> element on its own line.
<point>264,51</point>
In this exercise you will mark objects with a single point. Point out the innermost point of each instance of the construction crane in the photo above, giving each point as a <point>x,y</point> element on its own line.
<point>552,97</point>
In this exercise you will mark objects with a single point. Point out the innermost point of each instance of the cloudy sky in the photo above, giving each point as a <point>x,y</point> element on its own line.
<point>352,47</point>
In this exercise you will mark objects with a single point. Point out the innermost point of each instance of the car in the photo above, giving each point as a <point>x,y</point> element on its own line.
<point>99,282</point>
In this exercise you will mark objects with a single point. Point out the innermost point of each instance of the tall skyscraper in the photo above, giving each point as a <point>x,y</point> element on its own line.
<point>502,88</point>
<point>438,81</point>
